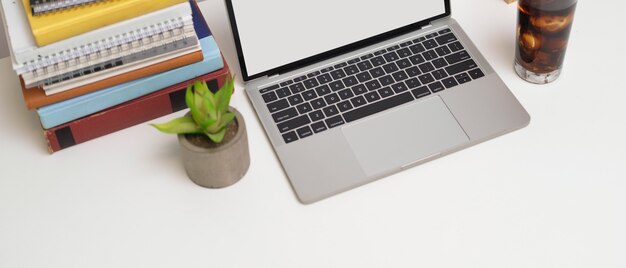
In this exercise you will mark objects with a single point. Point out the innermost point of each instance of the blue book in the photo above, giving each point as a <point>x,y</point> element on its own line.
<point>72,109</point>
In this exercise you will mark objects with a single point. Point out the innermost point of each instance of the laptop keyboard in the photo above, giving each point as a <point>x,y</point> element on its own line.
<point>371,83</point>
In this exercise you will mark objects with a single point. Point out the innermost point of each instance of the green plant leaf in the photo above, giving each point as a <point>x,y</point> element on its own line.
<point>182,125</point>
<point>207,124</point>
<point>226,92</point>
<point>228,117</point>
<point>217,137</point>
<point>190,98</point>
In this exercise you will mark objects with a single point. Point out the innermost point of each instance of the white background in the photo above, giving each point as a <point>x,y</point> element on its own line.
<point>550,195</point>
<point>278,32</point>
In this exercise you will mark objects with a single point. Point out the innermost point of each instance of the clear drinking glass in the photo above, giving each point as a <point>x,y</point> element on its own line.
<point>543,30</point>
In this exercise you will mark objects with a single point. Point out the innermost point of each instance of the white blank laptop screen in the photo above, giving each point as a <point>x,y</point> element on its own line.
<point>274,33</point>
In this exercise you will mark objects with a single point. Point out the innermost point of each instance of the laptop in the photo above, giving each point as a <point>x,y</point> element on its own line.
<point>351,91</point>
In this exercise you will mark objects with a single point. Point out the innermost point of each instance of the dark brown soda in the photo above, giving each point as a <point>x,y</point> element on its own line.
<point>542,33</point>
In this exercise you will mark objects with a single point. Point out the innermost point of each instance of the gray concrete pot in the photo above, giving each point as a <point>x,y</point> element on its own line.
<point>221,166</point>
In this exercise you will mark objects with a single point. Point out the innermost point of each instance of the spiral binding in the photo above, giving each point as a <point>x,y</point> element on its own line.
<point>39,7</point>
<point>105,54</point>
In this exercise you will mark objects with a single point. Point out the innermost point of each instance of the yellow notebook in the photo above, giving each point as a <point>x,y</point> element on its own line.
<point>56,26</point>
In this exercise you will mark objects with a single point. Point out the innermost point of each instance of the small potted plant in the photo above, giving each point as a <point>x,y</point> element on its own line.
<point>212,136</point>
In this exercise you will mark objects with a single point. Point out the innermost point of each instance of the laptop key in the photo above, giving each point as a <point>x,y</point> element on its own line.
<point>461,67</point>
<point>364,77</point>
<point>376,107</point>
<point>373,85</point>
<point>318,103</point>
<point>346,94</point>
<point>476,73</point>
<point>457,57</point>
<point>390,68</point>
<point>304,132</point>
<point>344,106</point>
<point>335,121</point>
<point>399,87</point>
<point>283,92</point>
<point>294,123</point>
<point>323,90</point>
<point>311,83</point>
<point>385,92</point>
<point>426,78</point>
<point>404,52</point>
<point>358,101</point>
<point>380,52</point>
<point>443,50</point>
<point>323,79</point>
<point>420,92</point>
<point>285,115</point>
<point>413,71</point>
<point>290,137</point>
<point>359,89</point>
<point>353,61</point>
<point>413,83</point>
<point>300,78</point>
<point>338,74</point>
<point>391,56</point>
<point>277,105</point>
<point>367,56</point>
<point>444,31</point>
<point>304,108</point>
<point>330,111</point>
<point>316,116</point>
<point>377,72</point>
<point>337,85</point>
<point>268,89</point>
<point>378,61</point>
<point>436,87</point>
<point>439,63</point>
<point>350,81</point>
<point>372,96</point>
<point>392,48</point>
<point>428,36</point>
<point>439,74</point>
<point>286,83</point>
<point>295,100</point>
<point>386,80</point>
<point>426,67</point>
<point>269,97</point>
<point>406,44</point>
<point>350,70</point>
<point>309,95</point>
<point>430,44</point>
<point>417,48</point>
<point>462,78</point>
<point>446,38</point>
<point>417,59</point>
<point>449,82</point>
<point>430,55</point>
<point>318,127</point>
<point>403,63</point>
<point>332,98</point>
<point>313,74</point>
<point>340,65</point>
<point>364,65</point>
<point>456,46</point>
<point>400,76</point>
<point>327,69</point>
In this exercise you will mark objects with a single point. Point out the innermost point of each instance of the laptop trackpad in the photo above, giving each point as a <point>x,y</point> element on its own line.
<point>403,136</point>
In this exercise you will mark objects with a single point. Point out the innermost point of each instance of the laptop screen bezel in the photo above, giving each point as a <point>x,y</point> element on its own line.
<point>327,54</point>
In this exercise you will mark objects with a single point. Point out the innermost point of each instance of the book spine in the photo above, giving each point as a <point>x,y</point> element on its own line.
<point>127,114</point>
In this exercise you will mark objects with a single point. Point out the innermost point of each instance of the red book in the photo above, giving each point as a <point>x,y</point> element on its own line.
<point>137,111</point>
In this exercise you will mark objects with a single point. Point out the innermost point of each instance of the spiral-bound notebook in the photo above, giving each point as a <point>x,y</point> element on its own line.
<point>28,57</point>
<point>39,7</point>
<point>127,49</point>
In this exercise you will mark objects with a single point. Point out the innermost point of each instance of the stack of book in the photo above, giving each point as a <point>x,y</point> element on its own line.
<point>93,67</point>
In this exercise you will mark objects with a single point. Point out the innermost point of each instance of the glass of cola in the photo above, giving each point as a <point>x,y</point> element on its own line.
<point>543,30</point>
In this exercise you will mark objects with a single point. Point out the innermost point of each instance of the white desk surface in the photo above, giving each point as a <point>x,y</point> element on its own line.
<point>550,195</point>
